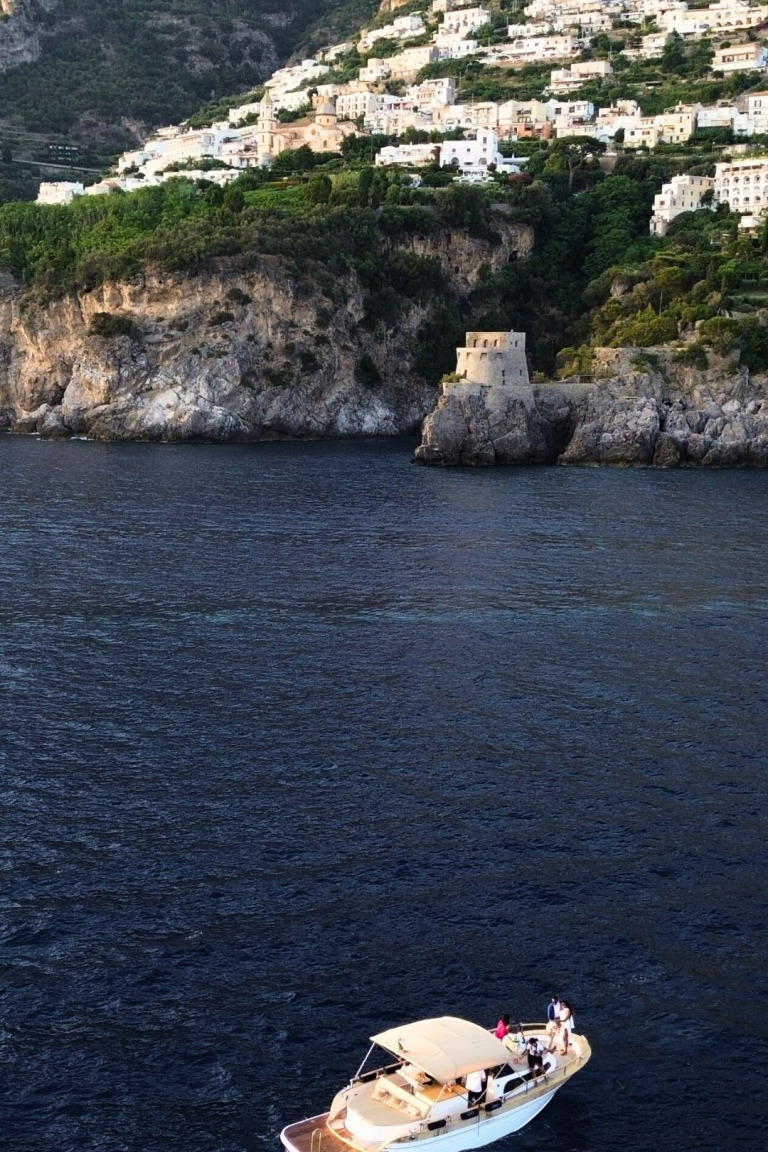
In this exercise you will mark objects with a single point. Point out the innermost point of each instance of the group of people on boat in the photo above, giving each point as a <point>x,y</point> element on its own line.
<point>560,1026</point>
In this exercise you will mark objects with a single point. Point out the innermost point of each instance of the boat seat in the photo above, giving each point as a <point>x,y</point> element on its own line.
<point>389,1092</point>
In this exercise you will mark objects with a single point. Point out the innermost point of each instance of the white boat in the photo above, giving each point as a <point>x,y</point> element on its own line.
<point>422,1094</point>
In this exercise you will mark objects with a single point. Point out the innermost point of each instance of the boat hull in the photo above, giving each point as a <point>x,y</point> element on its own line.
<point>313,1135</point>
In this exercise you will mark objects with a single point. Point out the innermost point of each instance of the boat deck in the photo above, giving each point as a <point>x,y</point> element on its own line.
<point>316,1135</point>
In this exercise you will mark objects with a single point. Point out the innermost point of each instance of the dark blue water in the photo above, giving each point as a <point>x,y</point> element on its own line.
<point>299,741</point>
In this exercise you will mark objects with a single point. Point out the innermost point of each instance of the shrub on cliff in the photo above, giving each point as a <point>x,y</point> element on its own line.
<point>645,330</point>
<point>366,373</point>
<point>109,326</point>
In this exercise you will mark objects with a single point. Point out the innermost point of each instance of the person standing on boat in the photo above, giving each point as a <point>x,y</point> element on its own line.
<point>502,1027</point>
<point>566,1023</point>
<point>475,1087</point>
<point>553,1010</point>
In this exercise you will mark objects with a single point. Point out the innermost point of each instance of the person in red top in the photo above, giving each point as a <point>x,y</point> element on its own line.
<point>502,1027</point>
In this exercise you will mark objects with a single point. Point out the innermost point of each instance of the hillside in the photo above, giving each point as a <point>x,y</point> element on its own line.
<point>106,73</point>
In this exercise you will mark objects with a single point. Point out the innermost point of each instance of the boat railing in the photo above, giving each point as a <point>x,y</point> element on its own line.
<point>483,1111</point>
<point>375,1073</point>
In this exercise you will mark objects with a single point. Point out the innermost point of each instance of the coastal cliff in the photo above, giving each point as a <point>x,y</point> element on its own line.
<point>20,31</point>
<point>643,407</point>
<point>246,350</point>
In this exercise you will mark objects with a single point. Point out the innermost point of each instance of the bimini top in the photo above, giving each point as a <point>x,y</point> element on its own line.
<point>445,1048</point>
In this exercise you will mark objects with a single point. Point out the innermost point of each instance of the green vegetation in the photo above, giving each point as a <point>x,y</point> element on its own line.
<point>596,278</point>
<point>108,326</point>
<point>702,284</point>
<point>152,62</point>
<point>340,226</point>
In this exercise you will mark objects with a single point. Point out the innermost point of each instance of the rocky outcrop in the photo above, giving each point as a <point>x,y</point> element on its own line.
<point>20,31</point>
<point>644,408</point>
<point>484,428</point>
<point>235,353</point>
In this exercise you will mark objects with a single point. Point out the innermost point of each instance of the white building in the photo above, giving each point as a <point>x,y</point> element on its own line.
<point>476,157</point>
<point>403,28</point>
<point>408,63</point>
<point>624,114</point>
<point>454,46</point>
<point>536,49</point>
<point>375,70</point>
<point>543,28</point>
<point>743,185</point>
<point>570,79</point>
<point>408,155</point>
<point>716,116</point>
<point>465,20</point>
<point>681,194</point>
<point>644,133</point>
<point>433,94</point>
<point>59,192</point>
<point>727,15</point>
<point>484,114</point>
<point>352,105</point>
<point>677,124</point>
<point>750,57</point>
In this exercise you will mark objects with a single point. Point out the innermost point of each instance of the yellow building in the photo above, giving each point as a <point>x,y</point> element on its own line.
<point>323,132</point>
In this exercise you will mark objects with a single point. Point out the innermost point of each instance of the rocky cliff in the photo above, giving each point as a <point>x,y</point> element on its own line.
<point>20,31</point>
<point>643,407</point>
<point>238,352</point>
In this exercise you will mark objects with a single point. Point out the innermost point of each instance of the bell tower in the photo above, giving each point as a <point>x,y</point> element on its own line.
<point>265,141</point>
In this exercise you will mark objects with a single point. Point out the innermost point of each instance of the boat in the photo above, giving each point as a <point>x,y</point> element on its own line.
<point>421,1094</point>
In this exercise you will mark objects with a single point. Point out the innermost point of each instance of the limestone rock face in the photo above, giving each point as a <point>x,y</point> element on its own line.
<point>484,428</point>
<point>20,31</point>
<point>241,352</point>
<point>645,410</point>
<point>612,431</point>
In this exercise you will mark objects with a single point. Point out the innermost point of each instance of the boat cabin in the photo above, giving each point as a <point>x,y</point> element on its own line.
<point>425,1089</point>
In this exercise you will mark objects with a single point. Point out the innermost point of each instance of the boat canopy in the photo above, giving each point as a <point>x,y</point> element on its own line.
<point>445,1048</point>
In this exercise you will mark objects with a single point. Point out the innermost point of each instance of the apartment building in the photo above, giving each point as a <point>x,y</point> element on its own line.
<point>681,194</point>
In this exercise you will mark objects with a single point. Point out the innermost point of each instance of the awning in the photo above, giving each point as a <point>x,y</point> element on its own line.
<point>444,1048</point>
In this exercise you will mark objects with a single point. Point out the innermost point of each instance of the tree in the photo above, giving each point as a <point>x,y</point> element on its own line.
<point>578,154</point>
<point>319,189</point>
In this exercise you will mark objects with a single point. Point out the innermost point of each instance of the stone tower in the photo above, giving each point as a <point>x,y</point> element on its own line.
<point>492,360</point>
<point>265,140</point>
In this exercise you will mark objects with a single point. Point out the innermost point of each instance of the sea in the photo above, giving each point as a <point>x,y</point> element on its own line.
<point>299,741</point>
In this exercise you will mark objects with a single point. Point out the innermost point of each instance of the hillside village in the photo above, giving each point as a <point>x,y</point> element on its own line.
<point>390,83</point>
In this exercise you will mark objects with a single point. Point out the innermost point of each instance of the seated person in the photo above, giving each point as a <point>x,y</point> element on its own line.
<point>414,1075</point>
<point>515,1042</point>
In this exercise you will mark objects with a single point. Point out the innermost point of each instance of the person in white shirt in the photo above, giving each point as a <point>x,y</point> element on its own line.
<point>535,1055</point>
<point>475,1086</point>
<point>566,1025</point>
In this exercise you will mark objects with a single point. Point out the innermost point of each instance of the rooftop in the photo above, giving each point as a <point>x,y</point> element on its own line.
<point>445,1048</point>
